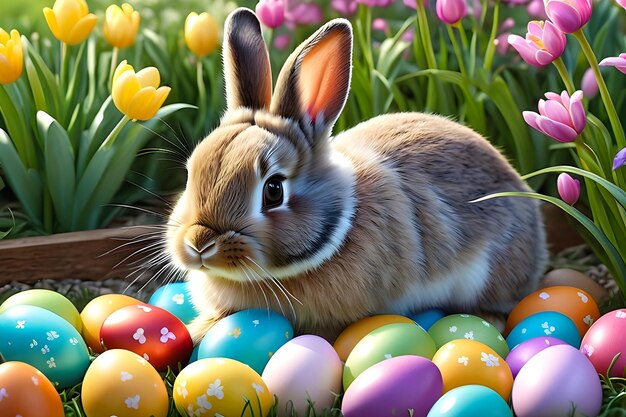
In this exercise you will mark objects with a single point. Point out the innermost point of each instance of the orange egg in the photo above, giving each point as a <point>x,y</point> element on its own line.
<point>96,311</point>
<point>468,362</point>
<point>26,392</point>
<point>572,278</point>
<point>352,334</point>
<point>575,303</point>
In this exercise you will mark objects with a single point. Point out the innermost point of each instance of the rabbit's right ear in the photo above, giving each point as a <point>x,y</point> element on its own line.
<point>246,62</point>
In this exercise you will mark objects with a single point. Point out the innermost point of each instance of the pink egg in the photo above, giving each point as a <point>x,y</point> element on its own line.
<point>558,381</point>
<point>601,343</point>
<point>394,386</point>
<point>151,332</point>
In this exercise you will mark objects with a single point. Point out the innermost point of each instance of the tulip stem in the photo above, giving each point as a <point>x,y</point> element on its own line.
<point>567,79</point>
<point>108,142</point>
<point>491,45</point>
<point>425,35</point>
<point>618,130</point>
<point>202,110</point>
<point>457,50</point>
<point>64,65</point>
<point>114,57</point>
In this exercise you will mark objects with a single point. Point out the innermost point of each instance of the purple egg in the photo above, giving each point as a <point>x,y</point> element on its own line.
<point>392,387</point>
<point>526,350</point>
<point>558,381</point>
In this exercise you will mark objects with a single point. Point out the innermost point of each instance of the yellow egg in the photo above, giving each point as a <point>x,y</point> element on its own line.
<point>468,362</point>
<point>26,392</point>
<point>122,383</point>
<point>97,311</point>
<point>352,334</point>
<point>224,386</point>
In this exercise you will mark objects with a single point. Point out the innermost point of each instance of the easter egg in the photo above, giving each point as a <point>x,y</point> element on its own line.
<point>305,369</point>
<point>176,299</point>
<point>351,335</point>
<point>468,362</point>
<point>605,339</point>
<point>151,332</point>
<point>46,341</point>
<point>547,323</point>
<point>122,383</point>
<point>384,343</point>
<point>469,401</point>
<point>521,353</point>
<point>572,278</point>
<point>572,302</point>
<point>465,326</point>
<point>224,386</point>
<point>393,387</point>
<point>248,336</point>
<point>96,311</point>
<point>26,392</point>
<point>49,300</point>
<point>425,319</point>
<point>558,381</point>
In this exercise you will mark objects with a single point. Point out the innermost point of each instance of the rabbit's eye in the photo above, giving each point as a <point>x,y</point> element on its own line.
<point>273,192</point>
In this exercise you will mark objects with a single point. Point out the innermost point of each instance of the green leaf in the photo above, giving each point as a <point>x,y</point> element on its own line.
<point>88,183</point>
<point>6,233</point>
<point>60,171</point>
<point>50,86</point>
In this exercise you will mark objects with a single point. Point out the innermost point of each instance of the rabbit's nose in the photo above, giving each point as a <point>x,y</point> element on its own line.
<point>199,244</point>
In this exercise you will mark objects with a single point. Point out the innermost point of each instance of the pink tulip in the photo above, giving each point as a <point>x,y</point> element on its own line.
<point>621,3</point>
<point>302,13</point>
<point>413,3</point>
<point>589,84</point>
<point>271,12</point>
<point>568,15</point>
<point>568,188</point>
<point>543,44</point>
<point>561,117</point>
<point>618,62</point>
<point>501,41</point>
<point>380,25</point>
<point>282,41</point>
<point>345,7</point>
<point>375,3</point>
<point>536,9</point>
<point>451,11</point>
<point>620,159</point>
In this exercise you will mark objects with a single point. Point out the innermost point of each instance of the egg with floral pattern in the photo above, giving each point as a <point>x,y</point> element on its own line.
<point>26,392</point>
<point>151,332</point>
<point>221,387</point>
<point>50,300</point>
<point>122,383</point>
<point>546,323</point>
<point>176,299</point>
<point>466,326</point>
<point>46,341</point>
<point>602,344</point>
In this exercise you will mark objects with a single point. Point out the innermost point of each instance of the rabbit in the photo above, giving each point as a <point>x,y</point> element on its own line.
<point>278,215</point>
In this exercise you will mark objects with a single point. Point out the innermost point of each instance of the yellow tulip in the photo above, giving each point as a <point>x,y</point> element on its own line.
<point>121,25</point>
<point>138,95</point>
<point>11,61</point>
<point>201,33</point>
<point>70,20</point>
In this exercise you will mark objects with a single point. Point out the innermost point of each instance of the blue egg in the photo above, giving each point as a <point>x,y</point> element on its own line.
<point>470,401</point>
<point>46,341</point>
<point>546,323</point>
<point>249,336</point>
<point>427,318</point>
<point>194,354</point>
<point>176,299</point>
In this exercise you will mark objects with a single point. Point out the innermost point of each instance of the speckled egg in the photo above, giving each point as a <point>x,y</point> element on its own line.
<point>471,401</point>
<point>305,369</point>
<point>518,356</point>
<point>572,302</point>
<point>351,335</point>
<point>122,383</point>
<point>425,319</point>
<point>384,343</point>
<point>558,381</point>
<point>393,387</point>
<point>248,336</point>
<point>605,339</point>
<point>176,299</point>
<point>468,362</point>
<point>26,392</point>
<point>49,300</point>
<point>224,386</point>
<point>151,332</point>
<point>46,341</point>
<point>465,326</point>
<point>546,323</point>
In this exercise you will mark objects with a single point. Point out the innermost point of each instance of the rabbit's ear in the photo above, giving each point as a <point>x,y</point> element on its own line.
<point>313,84</point>
<point>246,62</point>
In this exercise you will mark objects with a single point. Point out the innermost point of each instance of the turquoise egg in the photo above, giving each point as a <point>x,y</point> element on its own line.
<point>427,318</point>
<point>46,341</point>
<point>546,323</point>
<point>248,336</point>
<point>176,299</point>
<point>471,400</point>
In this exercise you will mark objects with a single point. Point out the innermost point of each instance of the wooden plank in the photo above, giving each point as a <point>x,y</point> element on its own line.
<point>89,255</point>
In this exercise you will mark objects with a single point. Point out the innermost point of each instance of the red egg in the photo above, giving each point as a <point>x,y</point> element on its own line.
<point>604,340</point>
<point>156,334</point>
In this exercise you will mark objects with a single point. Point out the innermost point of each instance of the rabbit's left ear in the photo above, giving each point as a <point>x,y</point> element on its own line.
<point>313,85</point>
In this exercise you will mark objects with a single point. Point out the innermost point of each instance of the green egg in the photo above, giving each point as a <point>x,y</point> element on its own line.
<point>386,342</point>
<point>46,299</point>
<point>465,326</point>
